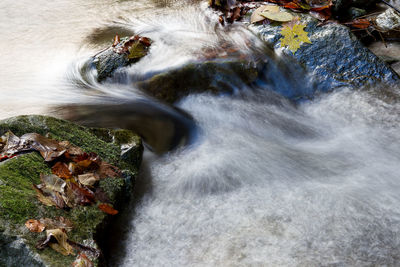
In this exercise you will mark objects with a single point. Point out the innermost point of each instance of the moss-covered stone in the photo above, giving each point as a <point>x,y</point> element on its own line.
<point>18,201</point>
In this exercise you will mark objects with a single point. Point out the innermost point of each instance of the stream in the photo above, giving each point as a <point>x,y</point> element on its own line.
<point>241,179</point>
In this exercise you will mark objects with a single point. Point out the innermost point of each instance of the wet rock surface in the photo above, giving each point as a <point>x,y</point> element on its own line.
<point>18,201</point>
<point>218,76</point>
<point>123,53</point>
<point>335,58</point>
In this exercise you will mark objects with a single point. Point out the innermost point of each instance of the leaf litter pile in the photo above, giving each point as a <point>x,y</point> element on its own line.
<point>73,182</point>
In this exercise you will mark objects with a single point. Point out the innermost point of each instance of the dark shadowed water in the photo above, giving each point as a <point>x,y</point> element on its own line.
<point>254,180</point>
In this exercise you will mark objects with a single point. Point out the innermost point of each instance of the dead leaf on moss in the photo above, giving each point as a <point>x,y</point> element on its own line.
<point>57,223</point>
<point>80,195</point>
<point>108,209</point>
<point>82,261</point>
<point>46,200</point>
<point>53,182</point>
<point>108,170</point>
<point>88,179</point>
<point>57,240</point>
<point>61,170</point>
<point>48,148</point>
<point>35,225</point>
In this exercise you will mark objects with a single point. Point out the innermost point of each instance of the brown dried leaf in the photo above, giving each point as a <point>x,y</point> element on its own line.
<point>48,148</point>
<point>80,195</point>
<point>59,222</point>
<point>116,40</point>
<point>108,170</point>
<point>35,226</point>
<point>108,209</point>
<point>88,179</point>
<point>53,182</point>
<point>46,200</point>
<point>61,170</point>
<point>61,245</point>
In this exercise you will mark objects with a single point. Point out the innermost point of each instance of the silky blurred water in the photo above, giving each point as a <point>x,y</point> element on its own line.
<point>263,182</point>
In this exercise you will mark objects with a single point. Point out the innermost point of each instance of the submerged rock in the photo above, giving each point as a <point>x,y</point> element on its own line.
<point>218,76</point>
<point>18,201</point>
<point>335,58</point>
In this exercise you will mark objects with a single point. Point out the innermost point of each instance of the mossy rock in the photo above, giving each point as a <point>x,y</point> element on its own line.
<point>18,201</point>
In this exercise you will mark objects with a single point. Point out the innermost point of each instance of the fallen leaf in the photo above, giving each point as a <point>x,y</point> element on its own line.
<point>72,151</point>
<point>57,240</point>
<point>276,15</point>
<point>108,170</point>
<point>88,179</point>
<point>108,209</point>
<point>116,40</point>
<point>46,200</point>
<point>294,36</point>
<point>79,195</point>
<point>234,15</point>
<point>53,182</point>
<point>48,148</point>
<point>59,222</point>
<point>145,41</point>
<point>61,170</point>
<point>35,226</point>
<point>256,16</point>
<point>82,261</point>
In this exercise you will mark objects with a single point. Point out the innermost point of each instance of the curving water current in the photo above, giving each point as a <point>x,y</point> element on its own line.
<point>258,181</point>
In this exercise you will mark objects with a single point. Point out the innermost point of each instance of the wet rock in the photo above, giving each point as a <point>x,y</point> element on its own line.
<point>335,58</point>
<point>388,52</point>
<point>355,12</point>
<point>219,76</point>
<point>18,201</point>
<point>121,54</point>
<point>388,20</point>
<point>342,9</point>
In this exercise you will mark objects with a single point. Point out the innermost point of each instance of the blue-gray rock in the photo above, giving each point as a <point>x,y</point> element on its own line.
<point>335,58</point>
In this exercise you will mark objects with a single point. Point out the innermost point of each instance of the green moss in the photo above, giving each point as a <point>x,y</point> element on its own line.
<point>112,186</point>
<point>125,137</point>
<point>17,198</point>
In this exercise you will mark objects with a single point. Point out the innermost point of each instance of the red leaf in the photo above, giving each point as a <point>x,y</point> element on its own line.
<point>108,209</point>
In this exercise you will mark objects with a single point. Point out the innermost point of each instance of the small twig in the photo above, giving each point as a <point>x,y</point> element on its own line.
<point>383,39</point>
<point>388,4</point>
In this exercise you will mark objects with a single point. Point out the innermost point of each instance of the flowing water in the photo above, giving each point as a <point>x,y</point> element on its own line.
<point>260,181</point>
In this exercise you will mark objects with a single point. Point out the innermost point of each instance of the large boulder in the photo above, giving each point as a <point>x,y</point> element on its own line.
<point>18,201</point>
<point>335,58</point>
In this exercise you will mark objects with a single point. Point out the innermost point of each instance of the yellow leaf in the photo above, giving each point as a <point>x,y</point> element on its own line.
<point>294,37</point>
